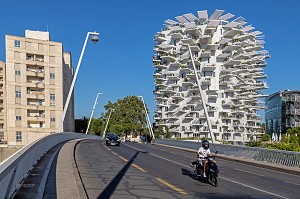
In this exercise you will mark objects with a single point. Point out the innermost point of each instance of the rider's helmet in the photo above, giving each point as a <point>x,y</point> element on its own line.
<point>205,144</point>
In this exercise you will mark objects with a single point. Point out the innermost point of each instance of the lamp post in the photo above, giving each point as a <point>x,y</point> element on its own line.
<point>87,129</point>
<point>200,90</point>
<point>95,40</point>
<point>107,123</point>
<point>147,119</point>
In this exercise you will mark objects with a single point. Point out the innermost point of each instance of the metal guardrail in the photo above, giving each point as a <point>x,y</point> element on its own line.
<point>286,158</point>
<point>15,169</point>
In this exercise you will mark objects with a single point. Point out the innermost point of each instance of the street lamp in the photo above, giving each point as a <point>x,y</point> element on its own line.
<point>147,119</point>
<point>200,91</point>
<point>95,40</point>
<point>87,129</point>
<point>107,123</point>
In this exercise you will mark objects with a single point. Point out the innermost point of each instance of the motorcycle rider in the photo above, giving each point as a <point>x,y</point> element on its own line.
<point>203,153</point>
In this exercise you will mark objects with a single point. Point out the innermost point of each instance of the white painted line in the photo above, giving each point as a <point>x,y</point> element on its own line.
<point>242,184</point>
<point>267,192</point>
<point>247,165</point>
<point>292,183</point>
<point>248,172</point>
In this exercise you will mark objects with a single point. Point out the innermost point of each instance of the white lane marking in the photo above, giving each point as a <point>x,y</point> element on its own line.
<point>248,172</point>
<point>247,165</point>
<point>273,194</point>
<point>292,183</point>
<point>242,184</point>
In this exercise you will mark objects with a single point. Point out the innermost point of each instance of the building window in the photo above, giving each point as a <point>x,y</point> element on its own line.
<point>52,75</point>
<point>40,102</point>
<point>18,94</point>
<point>18,117</point>
<point>52,119</point>
<point>52,104</point>
<point>18,72</point>
<point>52,96</point>
<point>17,43</point>
<point>1,135</point>
<point>18,136</point>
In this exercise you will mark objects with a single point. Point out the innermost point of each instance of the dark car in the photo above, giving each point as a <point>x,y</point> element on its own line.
<point>112,139</point>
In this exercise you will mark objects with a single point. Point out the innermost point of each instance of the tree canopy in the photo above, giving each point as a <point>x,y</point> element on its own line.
<point>128,116</point>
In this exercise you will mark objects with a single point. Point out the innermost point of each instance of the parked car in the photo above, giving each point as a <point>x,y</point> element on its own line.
<point>112,139</point>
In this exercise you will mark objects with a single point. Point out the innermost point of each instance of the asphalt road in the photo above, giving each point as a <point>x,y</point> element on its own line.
<point>150,171</point>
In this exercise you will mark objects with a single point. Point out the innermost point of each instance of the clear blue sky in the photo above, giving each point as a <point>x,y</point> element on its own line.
<point>121,64</point>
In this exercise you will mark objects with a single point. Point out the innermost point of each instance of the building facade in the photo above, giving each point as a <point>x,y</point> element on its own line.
<point>38,76</point>
<point>283,111</point>
<point>2,104</point>
<point>229,59</point>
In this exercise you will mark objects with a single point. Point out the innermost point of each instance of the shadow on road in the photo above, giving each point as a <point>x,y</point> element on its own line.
<point>191,175</point>
<point>109,190</point>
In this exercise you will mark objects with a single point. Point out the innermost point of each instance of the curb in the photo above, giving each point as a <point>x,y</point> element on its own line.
<point>80,185</point>
<point>43,182</point>
<point>281,168</point>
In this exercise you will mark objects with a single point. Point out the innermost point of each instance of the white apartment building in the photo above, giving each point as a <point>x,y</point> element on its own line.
<point>229,59</point>
<point>37,81</point>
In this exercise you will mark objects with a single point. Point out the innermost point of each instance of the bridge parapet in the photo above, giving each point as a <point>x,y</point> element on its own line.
<point>15,169</point>
<point>286,158</point>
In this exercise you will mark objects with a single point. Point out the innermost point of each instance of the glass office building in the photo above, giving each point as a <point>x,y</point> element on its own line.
<point>283,111</point>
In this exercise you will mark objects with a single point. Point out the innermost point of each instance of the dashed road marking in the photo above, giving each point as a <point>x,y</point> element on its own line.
<point>171,186</point>
<point>139,168</point>
<point>292,183</point>
<point>248,172</point>
<point>242,184</point>
<point>122,158</point>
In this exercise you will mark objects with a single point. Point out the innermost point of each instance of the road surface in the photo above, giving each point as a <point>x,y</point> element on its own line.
<point>151,171</point>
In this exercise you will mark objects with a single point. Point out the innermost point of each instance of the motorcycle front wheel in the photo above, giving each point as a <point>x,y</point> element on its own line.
<point>214,180</point>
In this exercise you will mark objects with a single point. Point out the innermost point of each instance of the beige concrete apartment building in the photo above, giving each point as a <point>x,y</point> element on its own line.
<point>38,78</point>
<point>2,103</point>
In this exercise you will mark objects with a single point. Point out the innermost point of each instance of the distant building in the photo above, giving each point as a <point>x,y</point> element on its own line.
<point>34,84</point>
<point>228,58</point>
<point>283,111</point>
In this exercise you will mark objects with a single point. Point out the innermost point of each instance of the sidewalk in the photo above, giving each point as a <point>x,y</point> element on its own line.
<point>61,182</point>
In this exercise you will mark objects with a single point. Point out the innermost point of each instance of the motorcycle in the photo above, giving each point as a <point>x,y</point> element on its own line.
<point>212,170</point>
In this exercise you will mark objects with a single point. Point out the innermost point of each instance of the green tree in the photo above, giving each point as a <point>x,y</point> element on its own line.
<point>128,116</point>
<point>265,137</point>
<point>81,125</point>
<point>97,126</point>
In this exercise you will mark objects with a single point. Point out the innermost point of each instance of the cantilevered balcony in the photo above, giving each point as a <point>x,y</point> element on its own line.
<point>172,76</point>
<point>159,65</point>
<point>230,47</point>
<point>160,38</point>
<point>205,54</point>
<point>231,62</point>
<point>188,40</point>
<point>206,81</point>
<point>209,67</point>
<point>204,39</point>
<point>232,32</point>
<point>178,96</point>
<point>176,35</point>
<point>252,48</point>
